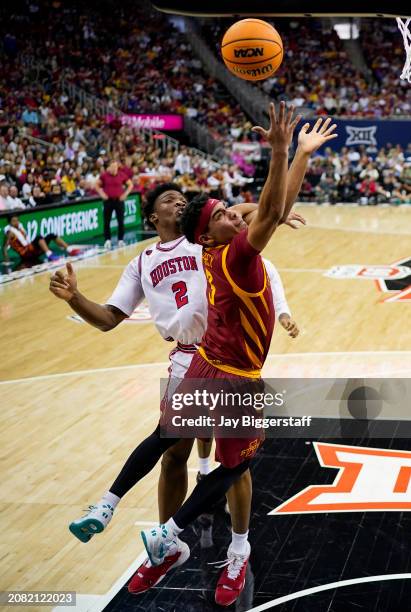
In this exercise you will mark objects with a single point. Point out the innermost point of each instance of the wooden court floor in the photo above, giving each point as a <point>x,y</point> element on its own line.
<point>75,401</point>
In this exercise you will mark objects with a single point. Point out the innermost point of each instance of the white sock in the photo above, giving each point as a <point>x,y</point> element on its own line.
<point>204,465</point>
<point>173,528</point>
<point>239,542</point>
<point>110,499</point>
<point>48,253</point>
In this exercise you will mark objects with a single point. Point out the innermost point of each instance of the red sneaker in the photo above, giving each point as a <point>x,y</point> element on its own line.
<point>148,576</point>
<point>232,580</point>
<point>73,251</point>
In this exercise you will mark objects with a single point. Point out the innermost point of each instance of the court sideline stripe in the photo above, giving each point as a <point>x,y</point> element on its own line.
<point>326,587</point>
<point>357,230</point>
<point>137,366</point>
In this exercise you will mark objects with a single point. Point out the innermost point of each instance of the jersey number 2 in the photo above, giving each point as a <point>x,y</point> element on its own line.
<point>180,293</point>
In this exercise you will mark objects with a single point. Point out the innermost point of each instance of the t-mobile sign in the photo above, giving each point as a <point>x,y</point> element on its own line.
<point>151,122</point>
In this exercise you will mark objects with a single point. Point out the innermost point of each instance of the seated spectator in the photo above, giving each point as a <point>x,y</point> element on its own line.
<point>368,190</point>
<point>13,200</point>
<point>56,194</point>
<point>28,185</point>
<point>38,197</point>
<point>68,183</point>
<point>4,194</point>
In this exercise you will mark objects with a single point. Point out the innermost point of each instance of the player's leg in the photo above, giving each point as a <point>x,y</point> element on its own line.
<point>239,501</point>
<point>173,481</point>
<point>172,485</point>
<point>140,462</point>
<point>164,539</point>
<point>204,451</point>
<point>40,245</point>
<point>172,489</point>
<point>59,241</point>
<point>205,493</point>
<point>208,490</point>
<point>107,213</point>
<point>119,208</point>
<point>232,579</point>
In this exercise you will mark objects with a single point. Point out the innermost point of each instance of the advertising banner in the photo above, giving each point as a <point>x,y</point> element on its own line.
<point>151,122</point>
<point>75,222</point>
<point>371,133</point>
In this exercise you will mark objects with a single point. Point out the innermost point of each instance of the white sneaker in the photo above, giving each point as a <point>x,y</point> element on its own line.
<point>232,579</point>
<point>121,243</point>
<point>159,542</point>
<point>107,244</point>
<point>95,521</point>
<point>148,576</point>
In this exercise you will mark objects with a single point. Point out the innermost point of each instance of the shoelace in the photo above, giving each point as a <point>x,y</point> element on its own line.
<point>93,508</point>
<point>235,563</point>
<point>89,509</point>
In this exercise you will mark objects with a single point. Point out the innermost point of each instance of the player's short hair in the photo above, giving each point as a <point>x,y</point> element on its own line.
<point>11,216</point>
<point>191,215</point>
<point>151,197</point>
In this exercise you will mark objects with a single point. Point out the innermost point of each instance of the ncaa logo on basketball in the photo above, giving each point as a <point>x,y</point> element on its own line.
<point>249,52</point>
<point>369,479</point>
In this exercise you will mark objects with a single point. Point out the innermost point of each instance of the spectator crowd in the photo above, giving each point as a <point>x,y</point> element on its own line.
<point>53,149</point>
<point>353,175</point>
<point>41,177</point>
<point>317,73</point>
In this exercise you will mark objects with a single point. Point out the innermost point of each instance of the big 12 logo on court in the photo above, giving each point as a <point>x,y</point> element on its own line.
<point>369,479</point>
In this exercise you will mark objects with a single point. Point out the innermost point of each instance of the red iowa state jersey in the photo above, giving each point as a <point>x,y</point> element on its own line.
<point>240,319</point>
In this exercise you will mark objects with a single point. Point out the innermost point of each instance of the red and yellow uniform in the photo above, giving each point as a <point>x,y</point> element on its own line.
<point>240,308</point>
<point>20,244</point>
<point>239,329</point>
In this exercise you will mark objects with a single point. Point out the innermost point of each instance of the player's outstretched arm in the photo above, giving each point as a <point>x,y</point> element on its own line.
<point>271,204</point>
<point>308,143</point>
<point>63,284</point>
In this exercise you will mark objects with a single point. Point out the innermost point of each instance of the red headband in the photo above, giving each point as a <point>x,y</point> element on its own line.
<point>204,218</point>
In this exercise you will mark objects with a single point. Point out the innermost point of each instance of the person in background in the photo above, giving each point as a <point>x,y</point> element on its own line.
<point>16,239</point>
<point>38,197</point>
<point>14,202</point>
<point>4,192</point>
<point>113,186</point>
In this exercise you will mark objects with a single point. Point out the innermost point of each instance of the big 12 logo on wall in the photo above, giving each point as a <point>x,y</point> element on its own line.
<point>369,479</point>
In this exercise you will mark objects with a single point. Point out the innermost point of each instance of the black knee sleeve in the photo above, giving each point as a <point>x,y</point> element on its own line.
<point>208,491</point>
<point>141,462</point>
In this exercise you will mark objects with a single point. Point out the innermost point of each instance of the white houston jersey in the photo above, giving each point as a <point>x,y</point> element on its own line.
<point>171,277</point>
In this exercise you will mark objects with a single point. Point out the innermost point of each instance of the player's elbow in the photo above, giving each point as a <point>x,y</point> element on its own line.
<point>106,327</point>
<point>276,215</point>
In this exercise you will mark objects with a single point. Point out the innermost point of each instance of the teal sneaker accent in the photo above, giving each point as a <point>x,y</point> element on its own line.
<point>143,536</point>
<point>85,528</point>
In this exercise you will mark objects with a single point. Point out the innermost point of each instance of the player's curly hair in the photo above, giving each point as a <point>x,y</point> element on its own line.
<point>151,197</point>
<point>191,214</point>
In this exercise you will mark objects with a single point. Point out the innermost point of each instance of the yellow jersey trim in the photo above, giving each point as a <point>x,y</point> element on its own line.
<point>234,285</point>
<point>247,326</point>
<point>253,357</point>
<point>229,369</point>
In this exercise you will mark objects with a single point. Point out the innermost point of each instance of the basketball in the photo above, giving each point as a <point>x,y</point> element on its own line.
<point>252,49</point>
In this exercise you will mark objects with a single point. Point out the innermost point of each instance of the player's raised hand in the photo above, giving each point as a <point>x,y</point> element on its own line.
<point>294,217</point>
<point>289,325</point>
<point>282,125</point>
<point>322,132</point>
<point>63,283</point>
